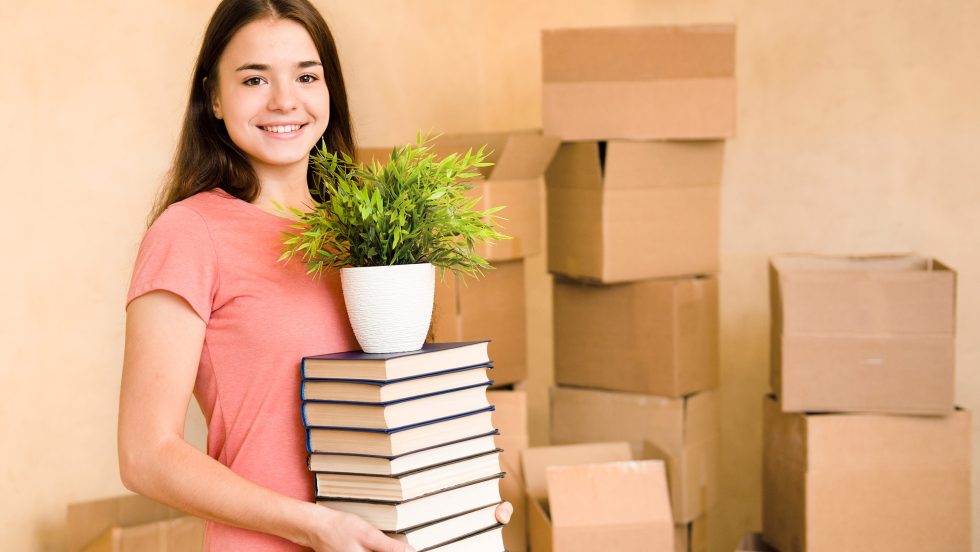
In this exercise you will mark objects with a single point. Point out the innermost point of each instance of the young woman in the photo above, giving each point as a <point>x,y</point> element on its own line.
<point>211,312</point>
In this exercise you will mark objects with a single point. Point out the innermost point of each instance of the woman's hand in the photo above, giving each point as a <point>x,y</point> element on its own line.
<point>334,531</point>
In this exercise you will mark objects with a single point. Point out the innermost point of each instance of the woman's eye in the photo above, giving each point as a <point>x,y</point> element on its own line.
<point>306,79</point>
<point>254,81</point>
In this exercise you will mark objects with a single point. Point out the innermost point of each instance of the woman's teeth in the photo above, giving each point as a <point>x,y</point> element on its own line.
<point>281,128</point>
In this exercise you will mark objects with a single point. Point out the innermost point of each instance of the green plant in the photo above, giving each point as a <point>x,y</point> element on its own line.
<point>412,209</point>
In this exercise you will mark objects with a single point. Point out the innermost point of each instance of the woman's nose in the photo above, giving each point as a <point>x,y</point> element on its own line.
<point>283,97</point>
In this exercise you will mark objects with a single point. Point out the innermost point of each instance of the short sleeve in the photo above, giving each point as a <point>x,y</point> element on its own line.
<point>177,255</point>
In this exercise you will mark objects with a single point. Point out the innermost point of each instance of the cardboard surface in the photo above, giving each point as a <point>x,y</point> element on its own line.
<point>653,82</point>
<point>515,180</point>
<point>658,337</point>
<point>616,212</point>
<point>592,497</point>
<point>863,334</point>
<point>510,417</point>
<point>185,534</point>
<point>868,482</point>
<point>493,308</point>
<point>512,490</point>
<point>87,521</point>
<point>682,432</point>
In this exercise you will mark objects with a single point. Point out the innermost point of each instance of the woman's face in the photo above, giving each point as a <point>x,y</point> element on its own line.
<point>271,94</point>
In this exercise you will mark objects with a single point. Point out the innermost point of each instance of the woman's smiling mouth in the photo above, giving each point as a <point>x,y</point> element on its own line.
<point>281,129</point>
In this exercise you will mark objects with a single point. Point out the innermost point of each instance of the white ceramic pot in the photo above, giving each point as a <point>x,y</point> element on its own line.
<point>389,307</point>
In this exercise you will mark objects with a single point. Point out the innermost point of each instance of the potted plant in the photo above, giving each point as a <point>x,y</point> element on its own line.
<point>387,227</point>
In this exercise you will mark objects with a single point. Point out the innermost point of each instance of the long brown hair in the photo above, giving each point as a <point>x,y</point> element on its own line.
<point>206,158</point>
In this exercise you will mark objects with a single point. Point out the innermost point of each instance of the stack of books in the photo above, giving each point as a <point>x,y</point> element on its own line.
<point>406,442</point>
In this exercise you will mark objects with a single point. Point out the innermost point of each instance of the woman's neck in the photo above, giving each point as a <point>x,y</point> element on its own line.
<point>285,186</point>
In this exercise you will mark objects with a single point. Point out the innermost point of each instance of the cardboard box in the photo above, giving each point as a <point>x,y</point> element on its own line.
<point>639,83</point>
<point>510,417</point>
<point>493,308</point>
<point>514,181</point>
<point>658,337</point>
<point>863,334</point>
<point>131,523</point>
<point>627,211</point>
<point>682,432</point>
<point>594,497</point>
<point>691,537</point>
<point>865,482</point>
<point>753,543</point>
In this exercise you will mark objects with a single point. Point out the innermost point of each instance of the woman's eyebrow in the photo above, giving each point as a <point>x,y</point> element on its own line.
<point>264,67</point>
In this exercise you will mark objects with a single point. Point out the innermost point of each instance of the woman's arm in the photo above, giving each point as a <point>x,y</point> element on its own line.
<point>163,347</point>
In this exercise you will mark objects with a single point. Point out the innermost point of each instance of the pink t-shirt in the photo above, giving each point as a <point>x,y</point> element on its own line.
<point>220,254</point>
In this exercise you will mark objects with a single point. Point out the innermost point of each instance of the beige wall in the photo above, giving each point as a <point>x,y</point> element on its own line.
<point>858,130</point>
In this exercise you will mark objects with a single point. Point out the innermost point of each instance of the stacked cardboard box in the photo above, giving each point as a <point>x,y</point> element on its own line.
<point>863,447</point>
<point>633,222</point>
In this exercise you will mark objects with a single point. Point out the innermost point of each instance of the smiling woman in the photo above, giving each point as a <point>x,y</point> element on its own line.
<point>211,312</point>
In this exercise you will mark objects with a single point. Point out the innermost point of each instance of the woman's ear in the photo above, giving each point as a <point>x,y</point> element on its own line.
<point>215,104</point>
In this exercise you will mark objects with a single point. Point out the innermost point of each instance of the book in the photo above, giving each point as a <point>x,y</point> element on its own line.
<point>446,531</point>
<point>431,358</point>
<point>400,413</point>
<point>407,485</point>
<point>368,391</point>
<point>394,442</point>
<point>398,516</point>
<point>488,540</point>
<point>392,465</point>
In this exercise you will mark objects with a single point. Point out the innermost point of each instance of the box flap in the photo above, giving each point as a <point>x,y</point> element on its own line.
<point>515,155</point>
<point>526,155</point>
<point>611,493</point>
<point>638,53</point>
<point>536,460</point>
<point>575,165</point>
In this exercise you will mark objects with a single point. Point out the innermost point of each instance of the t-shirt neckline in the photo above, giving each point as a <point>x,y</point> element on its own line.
<point>251,207</point>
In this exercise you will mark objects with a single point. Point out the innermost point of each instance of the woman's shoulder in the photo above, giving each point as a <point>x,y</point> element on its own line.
<point>210,207</point>
<point>207,203</point>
